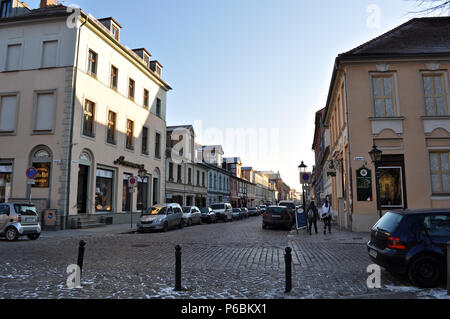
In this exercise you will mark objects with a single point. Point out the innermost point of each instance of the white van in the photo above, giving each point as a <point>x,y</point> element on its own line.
<point>224,211</point>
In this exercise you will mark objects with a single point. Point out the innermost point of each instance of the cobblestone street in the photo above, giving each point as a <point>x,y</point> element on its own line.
<point>224,260</point>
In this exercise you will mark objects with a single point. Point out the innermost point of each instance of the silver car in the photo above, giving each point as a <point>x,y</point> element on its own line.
<point>223,211</point>
<point>161,217</point>
<point>192,215</point>
<point>18,220</point>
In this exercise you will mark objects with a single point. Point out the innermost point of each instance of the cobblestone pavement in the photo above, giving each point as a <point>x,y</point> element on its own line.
<point>224,260</point>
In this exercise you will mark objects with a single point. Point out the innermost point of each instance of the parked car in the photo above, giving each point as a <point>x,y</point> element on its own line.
<point>245,212</point>
<point>413,243</point>
<point>263,208</point>
<point>161,217</point>
<point>192,215</point>
<point>18,220</point>
<point>223,211</point>
<point>253,211</point>
<point>278,216</point>
<point>208,215</point>
<point>237,213</point>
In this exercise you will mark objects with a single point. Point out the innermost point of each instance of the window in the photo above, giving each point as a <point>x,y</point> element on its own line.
<point>198,178</point>
<point>49,54</point>
<point>131,89</point>
<point>115,32</point>
<point>189,176</point>
<point>88,120</point>
<point>126,196</point>
<point>158,145</point>
<point>383,94</point>
<point>114,77</point>
<point>111,134</point>
<point>146,98</point>
<point>158,107</point>
<point>5,9</point>
<point>93,60</point>
<point>104,190</point>
<point>438,225</point>
<point>391,187</point>
<point>440,172</point>
<point>45,112</point>
<point>203,179</point>
<point>6,171</point>
<point>179,174</point>
<point>145,140</point>
<point>130,135</point>
<point>170,171</point>
<point>42,160</point>
<point>13,57</point>
<point>8,107</point>
<point>434,93</point>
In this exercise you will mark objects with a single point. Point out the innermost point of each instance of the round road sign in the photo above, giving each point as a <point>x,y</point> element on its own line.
<point>31,173</point>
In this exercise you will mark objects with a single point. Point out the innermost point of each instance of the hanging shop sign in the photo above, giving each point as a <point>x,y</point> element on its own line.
<point>364,184</point>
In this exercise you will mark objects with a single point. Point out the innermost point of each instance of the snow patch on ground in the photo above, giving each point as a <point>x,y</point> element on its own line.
<point>422,293</point>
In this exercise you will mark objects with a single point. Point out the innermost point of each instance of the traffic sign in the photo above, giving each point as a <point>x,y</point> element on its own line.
<point>132,181</point>
<point>305,178</point>
<point>31,173</point>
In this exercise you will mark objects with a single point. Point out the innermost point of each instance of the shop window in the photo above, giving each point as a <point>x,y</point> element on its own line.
<point>126,195</point>
<point>42,161</point>
<point>391,187</point>
<point>6,171</point>
<point>104,190</point>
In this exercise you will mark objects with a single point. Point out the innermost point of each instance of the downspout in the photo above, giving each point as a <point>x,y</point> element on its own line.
<point>69,162</point>
<point>349,150</point>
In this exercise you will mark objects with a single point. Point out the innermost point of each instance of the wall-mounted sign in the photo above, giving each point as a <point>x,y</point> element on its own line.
<point>359,158</point>
<point>364,184</point>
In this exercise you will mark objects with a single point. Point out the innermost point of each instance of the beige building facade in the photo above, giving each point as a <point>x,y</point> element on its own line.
<point>86,111</point>
<point>392,92</point>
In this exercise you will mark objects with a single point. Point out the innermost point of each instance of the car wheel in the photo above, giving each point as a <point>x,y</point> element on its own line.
<point>34,237</point>
<point>182,224</point>
<point>12,234</point>
<point>189,222</point>
<point>426,271</point>
<point>166,227</point>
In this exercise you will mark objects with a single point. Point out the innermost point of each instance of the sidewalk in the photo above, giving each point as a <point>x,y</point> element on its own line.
<point>90,232</point>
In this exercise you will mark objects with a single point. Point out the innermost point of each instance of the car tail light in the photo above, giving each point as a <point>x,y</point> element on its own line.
<point>287,216</point>
<point>395,243</point>
<point>265,215</point>
<point>19,218</point>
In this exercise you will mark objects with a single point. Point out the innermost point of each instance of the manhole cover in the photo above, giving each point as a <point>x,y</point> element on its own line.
<point>140,246</point>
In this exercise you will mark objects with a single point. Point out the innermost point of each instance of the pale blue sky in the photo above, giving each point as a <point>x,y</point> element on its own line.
<point>249,63</point>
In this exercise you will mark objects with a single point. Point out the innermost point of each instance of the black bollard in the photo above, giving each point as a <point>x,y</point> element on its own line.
<point>178,268</point>
<point>288,260</point>
<point>81,255</point>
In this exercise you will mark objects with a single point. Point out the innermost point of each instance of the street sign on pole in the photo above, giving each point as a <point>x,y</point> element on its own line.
<point>305,178</point>
<point>31,174</point>
<point>132,181</point>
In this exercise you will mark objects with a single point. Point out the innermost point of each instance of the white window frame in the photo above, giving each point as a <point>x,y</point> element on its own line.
<point>445,86</point>
<point>395,95</point>
<point>35,110</point>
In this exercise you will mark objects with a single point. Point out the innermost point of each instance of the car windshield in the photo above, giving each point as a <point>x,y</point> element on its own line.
<point>252,209</point>
<point>157,210</point>
<point>276,210</point>
<point>389,222</point>
<point>186,209</point>
<point>236,210</point>
<point>218,206</point>
<point>26,210</point>
<point>205,210</point>
<point>289,205</point>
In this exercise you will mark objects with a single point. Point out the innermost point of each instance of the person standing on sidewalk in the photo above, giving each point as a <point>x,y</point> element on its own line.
<point>327,216</point>
<point>313,216</point>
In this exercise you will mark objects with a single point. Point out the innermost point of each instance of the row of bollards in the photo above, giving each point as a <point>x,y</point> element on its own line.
<point>178,287</point>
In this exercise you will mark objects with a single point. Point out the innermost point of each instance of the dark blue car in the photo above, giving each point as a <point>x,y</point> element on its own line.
<point>413,243</point>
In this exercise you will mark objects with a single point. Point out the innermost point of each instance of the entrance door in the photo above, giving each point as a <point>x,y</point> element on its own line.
<point>83,183</point>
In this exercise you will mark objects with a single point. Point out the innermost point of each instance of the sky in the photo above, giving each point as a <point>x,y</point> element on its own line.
<point>250,74</point>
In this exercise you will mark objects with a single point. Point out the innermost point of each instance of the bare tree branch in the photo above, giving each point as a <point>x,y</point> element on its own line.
<point>439,7</point>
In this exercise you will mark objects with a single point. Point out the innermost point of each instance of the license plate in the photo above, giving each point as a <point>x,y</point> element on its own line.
<point>276,216</point>
<point>373,253</point>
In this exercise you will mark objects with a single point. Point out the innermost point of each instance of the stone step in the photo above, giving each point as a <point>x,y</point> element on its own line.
<point>93,225</point>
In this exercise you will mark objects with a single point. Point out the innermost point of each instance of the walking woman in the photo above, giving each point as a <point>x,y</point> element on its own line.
<point>327,216</point>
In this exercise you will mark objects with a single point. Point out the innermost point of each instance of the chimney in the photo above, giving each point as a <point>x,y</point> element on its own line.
<point>47,3</point>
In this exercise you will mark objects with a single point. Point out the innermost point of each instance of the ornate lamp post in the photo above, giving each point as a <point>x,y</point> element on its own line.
<point>375,155</point>
<point>302,169</point>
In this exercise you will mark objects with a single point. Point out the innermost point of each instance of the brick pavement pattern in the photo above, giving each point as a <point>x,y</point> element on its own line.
<point>224,260</point>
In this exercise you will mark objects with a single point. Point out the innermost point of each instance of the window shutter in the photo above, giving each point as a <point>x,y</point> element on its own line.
<point>8,113</point>
<point>13,58</point>
<point>45,112</point>
<point>49,54</point>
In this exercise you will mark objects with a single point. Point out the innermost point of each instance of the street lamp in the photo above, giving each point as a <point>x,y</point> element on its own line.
<point>302,169</point>
<point>375,155</point>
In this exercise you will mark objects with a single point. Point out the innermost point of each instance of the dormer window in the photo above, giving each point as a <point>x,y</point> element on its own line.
<point>113,26</point>
<point>6,7</point>
<point>144,55</point>
<point>156,67</point>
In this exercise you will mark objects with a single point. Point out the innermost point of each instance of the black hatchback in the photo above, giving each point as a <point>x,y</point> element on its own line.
<point>413,243</point>
<point>278,216</point>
